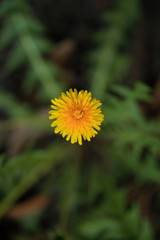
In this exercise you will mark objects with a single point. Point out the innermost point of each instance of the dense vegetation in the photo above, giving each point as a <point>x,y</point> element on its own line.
<point>107,189</point>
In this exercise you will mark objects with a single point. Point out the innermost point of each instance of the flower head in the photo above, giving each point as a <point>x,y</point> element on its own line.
<point>76,115</point>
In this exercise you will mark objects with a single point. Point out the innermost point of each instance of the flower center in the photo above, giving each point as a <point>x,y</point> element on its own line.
<point>78,114</point>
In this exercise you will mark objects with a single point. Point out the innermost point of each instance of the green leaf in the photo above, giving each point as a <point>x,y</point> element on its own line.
<point>132,221</point>
<point>8,33</point>
<point>10,6</point>
<point>102,226</point>
<point>140,92</point>
<point>42,44</point>
<point>146,232</point>
<point>51,157</point>
<point>16,58</point>
<point>12,106</point>
<point>33,25</point>
<point>30,80</point>
<point>109,61</point>
<point>69,195</point>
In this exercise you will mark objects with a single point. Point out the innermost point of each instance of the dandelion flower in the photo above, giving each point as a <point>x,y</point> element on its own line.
<point>76,115</point>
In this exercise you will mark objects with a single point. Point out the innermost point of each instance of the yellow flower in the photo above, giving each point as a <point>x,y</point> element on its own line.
<point>76,114</point>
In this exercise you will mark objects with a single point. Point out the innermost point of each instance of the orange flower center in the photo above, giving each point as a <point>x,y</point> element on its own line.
<point>78,114</point>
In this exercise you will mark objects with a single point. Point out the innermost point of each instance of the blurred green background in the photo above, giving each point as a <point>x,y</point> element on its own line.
<point>106,189</point>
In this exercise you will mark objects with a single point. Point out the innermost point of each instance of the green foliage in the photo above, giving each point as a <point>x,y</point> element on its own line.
<point>89,184</point>
<point>25,170</point>
<point>131,132</point>
<point>13,107</point>
<point>111,60</point>
<point>29,47</point>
